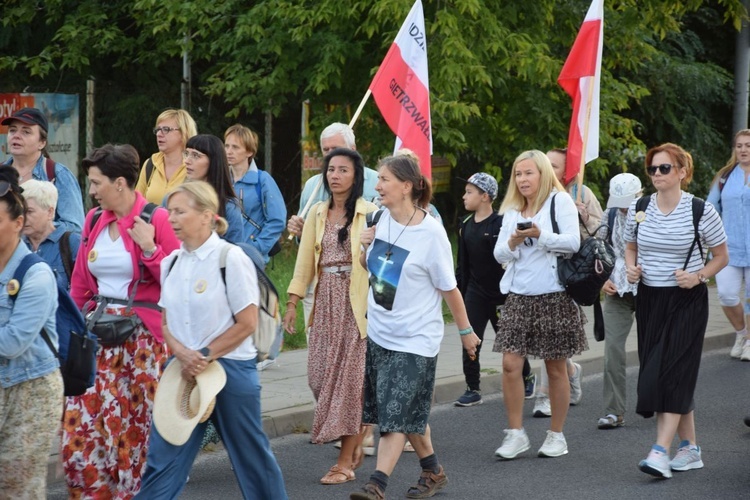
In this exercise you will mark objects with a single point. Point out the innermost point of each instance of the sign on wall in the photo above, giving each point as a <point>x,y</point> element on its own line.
<point>61,111</point>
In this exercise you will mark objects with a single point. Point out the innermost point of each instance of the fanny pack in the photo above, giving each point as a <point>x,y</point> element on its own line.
<point>113,329</point>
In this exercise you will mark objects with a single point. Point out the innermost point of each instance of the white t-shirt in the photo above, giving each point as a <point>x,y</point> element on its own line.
<point>404,303</point>
<point>111,265</point>
<point>664,239</point>
<point>199,307</point>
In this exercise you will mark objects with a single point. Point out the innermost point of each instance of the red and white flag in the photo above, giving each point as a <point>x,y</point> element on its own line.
<point>580,78</point>
<point>402,90</point>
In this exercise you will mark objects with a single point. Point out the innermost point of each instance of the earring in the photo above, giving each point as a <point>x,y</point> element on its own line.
<point>119,189</point>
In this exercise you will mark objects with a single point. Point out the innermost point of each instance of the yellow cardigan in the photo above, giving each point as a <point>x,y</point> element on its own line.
<point>157,189</point>
<point>308,258</point>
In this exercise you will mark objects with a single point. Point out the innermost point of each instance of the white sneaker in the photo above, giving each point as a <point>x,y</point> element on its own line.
<point>737,348</point>
<point>262,365</point>
<point>542,407</point>
<point>576,392</point>
<point>515,442</point>
<point>656,464</point>
<point>746,351</point>
<point>554,446</point>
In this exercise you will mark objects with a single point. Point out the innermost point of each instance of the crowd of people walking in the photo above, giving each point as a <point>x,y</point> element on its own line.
<point>374,266</point>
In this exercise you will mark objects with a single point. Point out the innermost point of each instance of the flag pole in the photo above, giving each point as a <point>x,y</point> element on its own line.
<point>307,206</point>
<point>579,177</point>
<point>359,109</point>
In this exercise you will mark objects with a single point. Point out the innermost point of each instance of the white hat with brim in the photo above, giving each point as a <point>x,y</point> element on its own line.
<point>179,405</point>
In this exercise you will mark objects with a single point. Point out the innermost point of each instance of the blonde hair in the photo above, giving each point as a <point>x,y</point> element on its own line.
<point>732,159</point>
<point>547,182</point>
<point>44,193</point>
<point>245,135</point>
<point>185,123</point>
<point>203,197</point>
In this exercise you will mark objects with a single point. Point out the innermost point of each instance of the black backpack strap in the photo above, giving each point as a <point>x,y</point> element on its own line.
<point>698,207</point>
<point>66,254</point>
<point>49,165</point>
<point>610,223</point>
<point>555,227</point>
<point>149,171</point>
<point>373,217</point>
<point>640,206</point>
<point>148,212</point>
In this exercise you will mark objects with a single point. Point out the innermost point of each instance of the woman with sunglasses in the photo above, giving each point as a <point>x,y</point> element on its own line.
<point>165,170</point>
<point>539,318</point>
<point>105,430</point>
<point>664,256</point>
<point>730,195</point>
<point>32,388</point>
<point>206,160</point>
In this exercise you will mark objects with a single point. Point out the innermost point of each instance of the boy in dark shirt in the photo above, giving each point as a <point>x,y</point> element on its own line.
<point>478,275</point>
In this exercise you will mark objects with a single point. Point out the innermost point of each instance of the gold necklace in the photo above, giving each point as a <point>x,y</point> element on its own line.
<point>388,252</point>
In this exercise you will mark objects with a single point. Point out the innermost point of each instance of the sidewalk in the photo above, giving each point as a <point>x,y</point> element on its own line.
<point>287,402</point>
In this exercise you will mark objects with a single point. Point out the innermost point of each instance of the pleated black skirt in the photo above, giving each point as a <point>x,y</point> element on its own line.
<point>671,326</point>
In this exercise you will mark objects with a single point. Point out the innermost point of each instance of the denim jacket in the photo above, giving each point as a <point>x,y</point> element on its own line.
<point>23,353</point>
<point>49,250</point>
<point>269,212</point>
<point>733,205</point>
<point>69,212</point>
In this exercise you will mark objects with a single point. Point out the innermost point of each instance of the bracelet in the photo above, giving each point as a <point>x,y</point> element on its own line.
<point>465,331</point>
<point>294,304</point>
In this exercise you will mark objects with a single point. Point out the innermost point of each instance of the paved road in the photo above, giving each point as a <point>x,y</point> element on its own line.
<point>601,464</point>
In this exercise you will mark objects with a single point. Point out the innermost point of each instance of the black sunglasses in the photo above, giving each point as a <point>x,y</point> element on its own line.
<point>664,169</point>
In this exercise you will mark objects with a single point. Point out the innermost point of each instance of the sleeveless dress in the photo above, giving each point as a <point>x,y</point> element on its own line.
<point>336,352</point>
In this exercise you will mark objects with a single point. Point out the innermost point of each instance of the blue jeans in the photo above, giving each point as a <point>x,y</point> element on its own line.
<point>238,421</point>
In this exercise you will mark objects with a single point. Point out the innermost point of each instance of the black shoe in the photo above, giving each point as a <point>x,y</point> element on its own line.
<point>469,398</point>
<point>747,421</point>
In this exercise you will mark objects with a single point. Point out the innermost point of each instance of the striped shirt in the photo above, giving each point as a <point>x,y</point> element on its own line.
<point>664,239</point>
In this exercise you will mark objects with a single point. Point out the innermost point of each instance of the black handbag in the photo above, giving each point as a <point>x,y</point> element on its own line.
<point>112,329</point>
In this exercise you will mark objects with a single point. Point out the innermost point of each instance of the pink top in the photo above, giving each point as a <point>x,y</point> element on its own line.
<point>83,285</point>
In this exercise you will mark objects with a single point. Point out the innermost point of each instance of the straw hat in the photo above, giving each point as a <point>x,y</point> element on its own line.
<point>180,405</point>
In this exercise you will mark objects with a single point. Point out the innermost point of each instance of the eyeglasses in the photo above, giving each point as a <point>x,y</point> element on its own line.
<point>164,130</point>
<point>194,155</point>
<point>663,169</point>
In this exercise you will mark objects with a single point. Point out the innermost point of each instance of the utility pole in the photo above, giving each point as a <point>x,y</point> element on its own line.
<point>741,74</point>
<point>268,153</point>
<point>186,75</point>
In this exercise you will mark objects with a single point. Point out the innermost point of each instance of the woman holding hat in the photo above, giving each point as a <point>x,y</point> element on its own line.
<point>105,430</point>
<point>208,319</point>
<point>619,301</point>
<point>411,272</point>
<point>31,388</point>
<point>666,257</point>
<point>338,325</point>
<point>165,169</point>
<point>27,145</point>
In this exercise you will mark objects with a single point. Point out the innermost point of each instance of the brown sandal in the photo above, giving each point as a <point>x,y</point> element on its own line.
<point>429,483</point>
<point>369,491</point>
<point>338,475</point>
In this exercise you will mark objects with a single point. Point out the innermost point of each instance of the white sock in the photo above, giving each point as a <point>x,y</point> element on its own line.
<point>742,333</point>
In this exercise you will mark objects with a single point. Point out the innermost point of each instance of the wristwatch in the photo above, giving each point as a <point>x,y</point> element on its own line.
<point>702,278</point>
<point>149,253</point>
<point>206,353</point>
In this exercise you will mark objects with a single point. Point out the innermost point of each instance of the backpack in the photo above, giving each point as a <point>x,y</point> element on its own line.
<point>610,224</point>
<point>583,275</point>
<point>65,254</point>
<point>269,334</point>
<point>78,346</point>
<point>698,207</point>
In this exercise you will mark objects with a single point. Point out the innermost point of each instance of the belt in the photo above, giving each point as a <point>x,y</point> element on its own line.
<point>337,269</point>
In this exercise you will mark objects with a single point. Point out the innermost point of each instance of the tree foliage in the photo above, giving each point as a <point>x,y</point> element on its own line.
<point>493,69</point>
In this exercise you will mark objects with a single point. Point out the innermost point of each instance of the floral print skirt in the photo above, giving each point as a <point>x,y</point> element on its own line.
<point>105,430</point>
<point>398,389</point>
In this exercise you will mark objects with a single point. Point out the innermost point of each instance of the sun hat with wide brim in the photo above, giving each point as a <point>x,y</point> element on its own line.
<point>180,405</point>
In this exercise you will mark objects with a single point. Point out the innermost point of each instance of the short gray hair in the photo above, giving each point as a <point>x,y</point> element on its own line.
<point>44,193</point>
<point>341,129</point>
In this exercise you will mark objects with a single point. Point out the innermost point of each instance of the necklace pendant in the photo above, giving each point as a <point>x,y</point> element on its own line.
<point>388,255</point>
